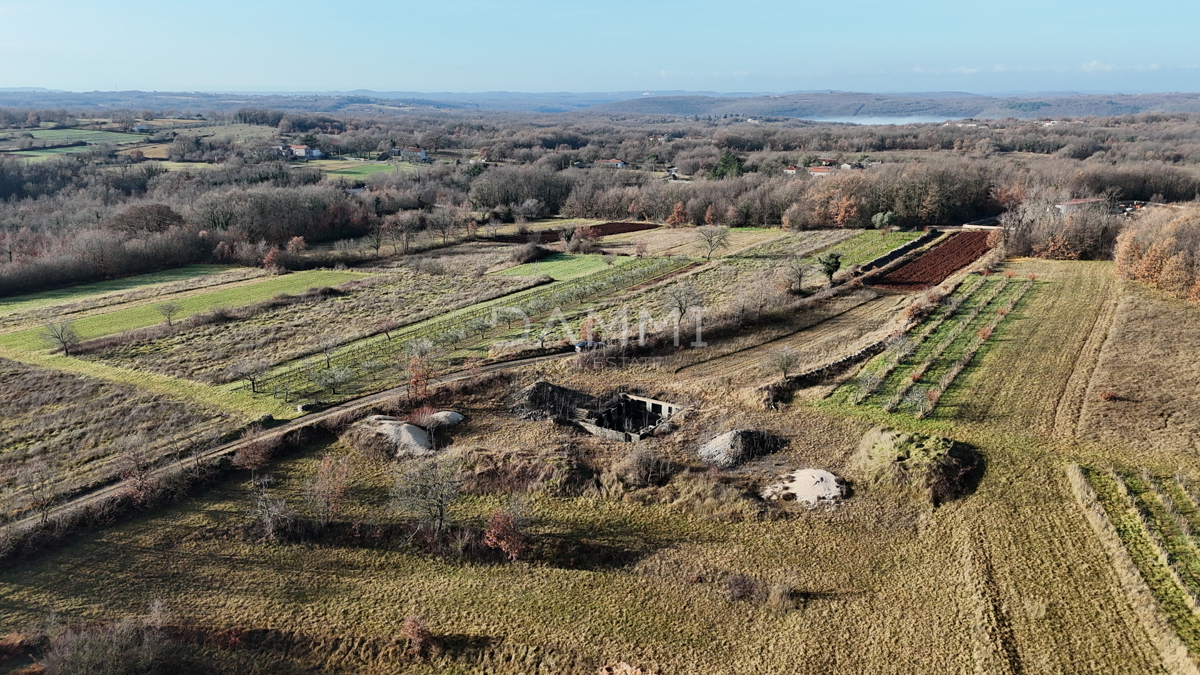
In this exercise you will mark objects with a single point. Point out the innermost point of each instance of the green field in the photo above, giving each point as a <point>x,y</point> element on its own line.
<point>561,266</point>
<point>30,301</point>
<point>147,315</point>
<point>76,135</point>
<point>870,245</point>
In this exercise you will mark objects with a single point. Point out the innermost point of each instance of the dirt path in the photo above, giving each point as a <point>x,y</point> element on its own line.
<point>842,328</point>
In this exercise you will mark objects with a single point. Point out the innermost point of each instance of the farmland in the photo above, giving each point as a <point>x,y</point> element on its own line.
<point>1021,572</point>
<point>141,316</point>
<point>78,431</point>
<point>92,292</point>
<point>954,253</point>
<point>44,137</point>
<point>559,266</point>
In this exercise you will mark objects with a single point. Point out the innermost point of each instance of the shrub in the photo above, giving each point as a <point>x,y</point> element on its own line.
<point>504,533</point>
<point>422,643</point>
<point>742,587</point>
<point>256,449</point>
<point>528,253</point>
<point>128,647</point>
<point>642,467</point>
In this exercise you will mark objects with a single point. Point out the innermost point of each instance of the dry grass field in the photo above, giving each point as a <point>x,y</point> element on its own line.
<point>78,431</point>
<point>1014,576</point>
<point>1144,390</point>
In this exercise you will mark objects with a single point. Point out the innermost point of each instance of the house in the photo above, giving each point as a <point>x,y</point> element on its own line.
<point>304,152</point>
<point>415,155</point>
<point>791,171</point>
<point>612,163</point>
<point>139,129</point>
<point>1075,204</point>
<point>827,161</point>
<point>819,170</point>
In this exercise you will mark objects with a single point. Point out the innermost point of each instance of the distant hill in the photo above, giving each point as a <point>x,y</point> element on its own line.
<point>948,105</point>
<point>806,105</point>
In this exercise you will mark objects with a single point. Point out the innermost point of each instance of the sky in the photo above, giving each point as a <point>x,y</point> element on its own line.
<point>601,45</point>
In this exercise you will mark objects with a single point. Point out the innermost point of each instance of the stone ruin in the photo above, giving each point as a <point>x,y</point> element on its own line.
<point>621,417</point>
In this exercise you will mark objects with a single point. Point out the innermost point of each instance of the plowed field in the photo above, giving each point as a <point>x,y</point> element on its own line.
<point>958,251</point>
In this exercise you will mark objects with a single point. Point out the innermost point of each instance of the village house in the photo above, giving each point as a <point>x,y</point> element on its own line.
<point>612,163</point>
<point>819,170</point>
<point>791,171</point>
<point>301,151</point>
<point>414,155</point>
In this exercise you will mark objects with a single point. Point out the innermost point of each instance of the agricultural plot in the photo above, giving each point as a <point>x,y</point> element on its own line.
<point>1037,366</point>
<point>355,169</point>
<point>1150,333</point>
<point>679,241</point>
<point>560,266</point>
<point>856,246</point>
<point>845,325</point>
<point>365,360</point>
<point>119,320</point>
<point>61,433</point>
<point>938,263</point>
<point>1153,518</point>
<point>102,291</point>
<point>915,372</point>
<point>212,353</point>
<point>59,136</point>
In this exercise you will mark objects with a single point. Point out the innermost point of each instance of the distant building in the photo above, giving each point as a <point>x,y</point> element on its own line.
<point>303,152</point>
<point>139,129</point>
<point>612,163</point>
<point>414,155</point>
<point>791,171</point>
<point>827,161</point>
<point>819,170</point>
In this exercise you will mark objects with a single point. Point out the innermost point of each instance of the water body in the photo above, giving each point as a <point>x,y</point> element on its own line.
<point>881,120</point>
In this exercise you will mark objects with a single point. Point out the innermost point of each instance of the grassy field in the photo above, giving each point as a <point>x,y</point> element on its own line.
<point>357,169</point>
<point>280,335</point>
<point>80,427</point>
<point>681,241</point>
<point>74,136</point>
<point>30,301</point>
<point>559,266</point>
<point>147,315</point>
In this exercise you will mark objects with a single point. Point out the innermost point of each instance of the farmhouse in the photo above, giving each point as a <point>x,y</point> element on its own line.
<point>819,170</point>
<point>791,171</point>
<point>303,152</point>
<point>410,154</point>
<point>612,163</point>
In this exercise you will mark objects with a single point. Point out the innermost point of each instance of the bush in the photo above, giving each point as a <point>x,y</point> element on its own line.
<point>528,253</point>
<point>422,643</point>
<point>742,587</point>
<point>128,647</point>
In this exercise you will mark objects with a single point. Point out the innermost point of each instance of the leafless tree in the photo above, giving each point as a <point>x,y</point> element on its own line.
<point>679,298</point>
<point>325,492</point>
<point>795,268</point>
<point>250,370</point>
<point>712,238</point>
<point>784,360</point>
<point>168,310</point>
<point>61,335</point>
<point>426,488</point>
<point>37,479</point>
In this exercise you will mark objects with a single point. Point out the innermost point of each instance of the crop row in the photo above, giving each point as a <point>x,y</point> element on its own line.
<point>1155,528</point>
<point>949,339</point>
<point>367,357</point>
<point>905,347</point>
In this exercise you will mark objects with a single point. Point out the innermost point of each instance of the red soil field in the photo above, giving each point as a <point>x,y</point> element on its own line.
<point>602,230</point>
<point>939,262</point>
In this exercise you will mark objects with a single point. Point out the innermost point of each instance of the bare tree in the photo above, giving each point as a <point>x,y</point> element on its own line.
<point>795,268</point>
<point>250,370</point>
<point>61,335</point>
<point>169,310</point>
<point>679,298</point>
<point>37,478</point>
<point>444,223</point>
<point>325,492</point>
<point>784,360</point>
<point>712,238</point>
<point>332,378</point>
<point>376,236</point>
<point>426,488</point>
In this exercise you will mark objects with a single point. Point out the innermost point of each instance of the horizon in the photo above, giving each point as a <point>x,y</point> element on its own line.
<point>537,46</point>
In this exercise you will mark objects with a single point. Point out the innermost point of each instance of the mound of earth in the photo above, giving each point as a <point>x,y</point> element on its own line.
<point>736,447</point>
<point>807,486</point>
<point>446,418</point>
<point>929,468</point>
<point>400,437</point>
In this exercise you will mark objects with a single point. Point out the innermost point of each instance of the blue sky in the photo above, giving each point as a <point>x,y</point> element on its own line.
<point>610,45</point>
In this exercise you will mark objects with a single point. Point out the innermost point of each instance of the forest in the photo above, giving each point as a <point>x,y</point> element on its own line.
<point>106,213</point>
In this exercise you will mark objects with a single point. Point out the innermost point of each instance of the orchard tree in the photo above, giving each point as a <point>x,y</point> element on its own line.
<point>712,239</point>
